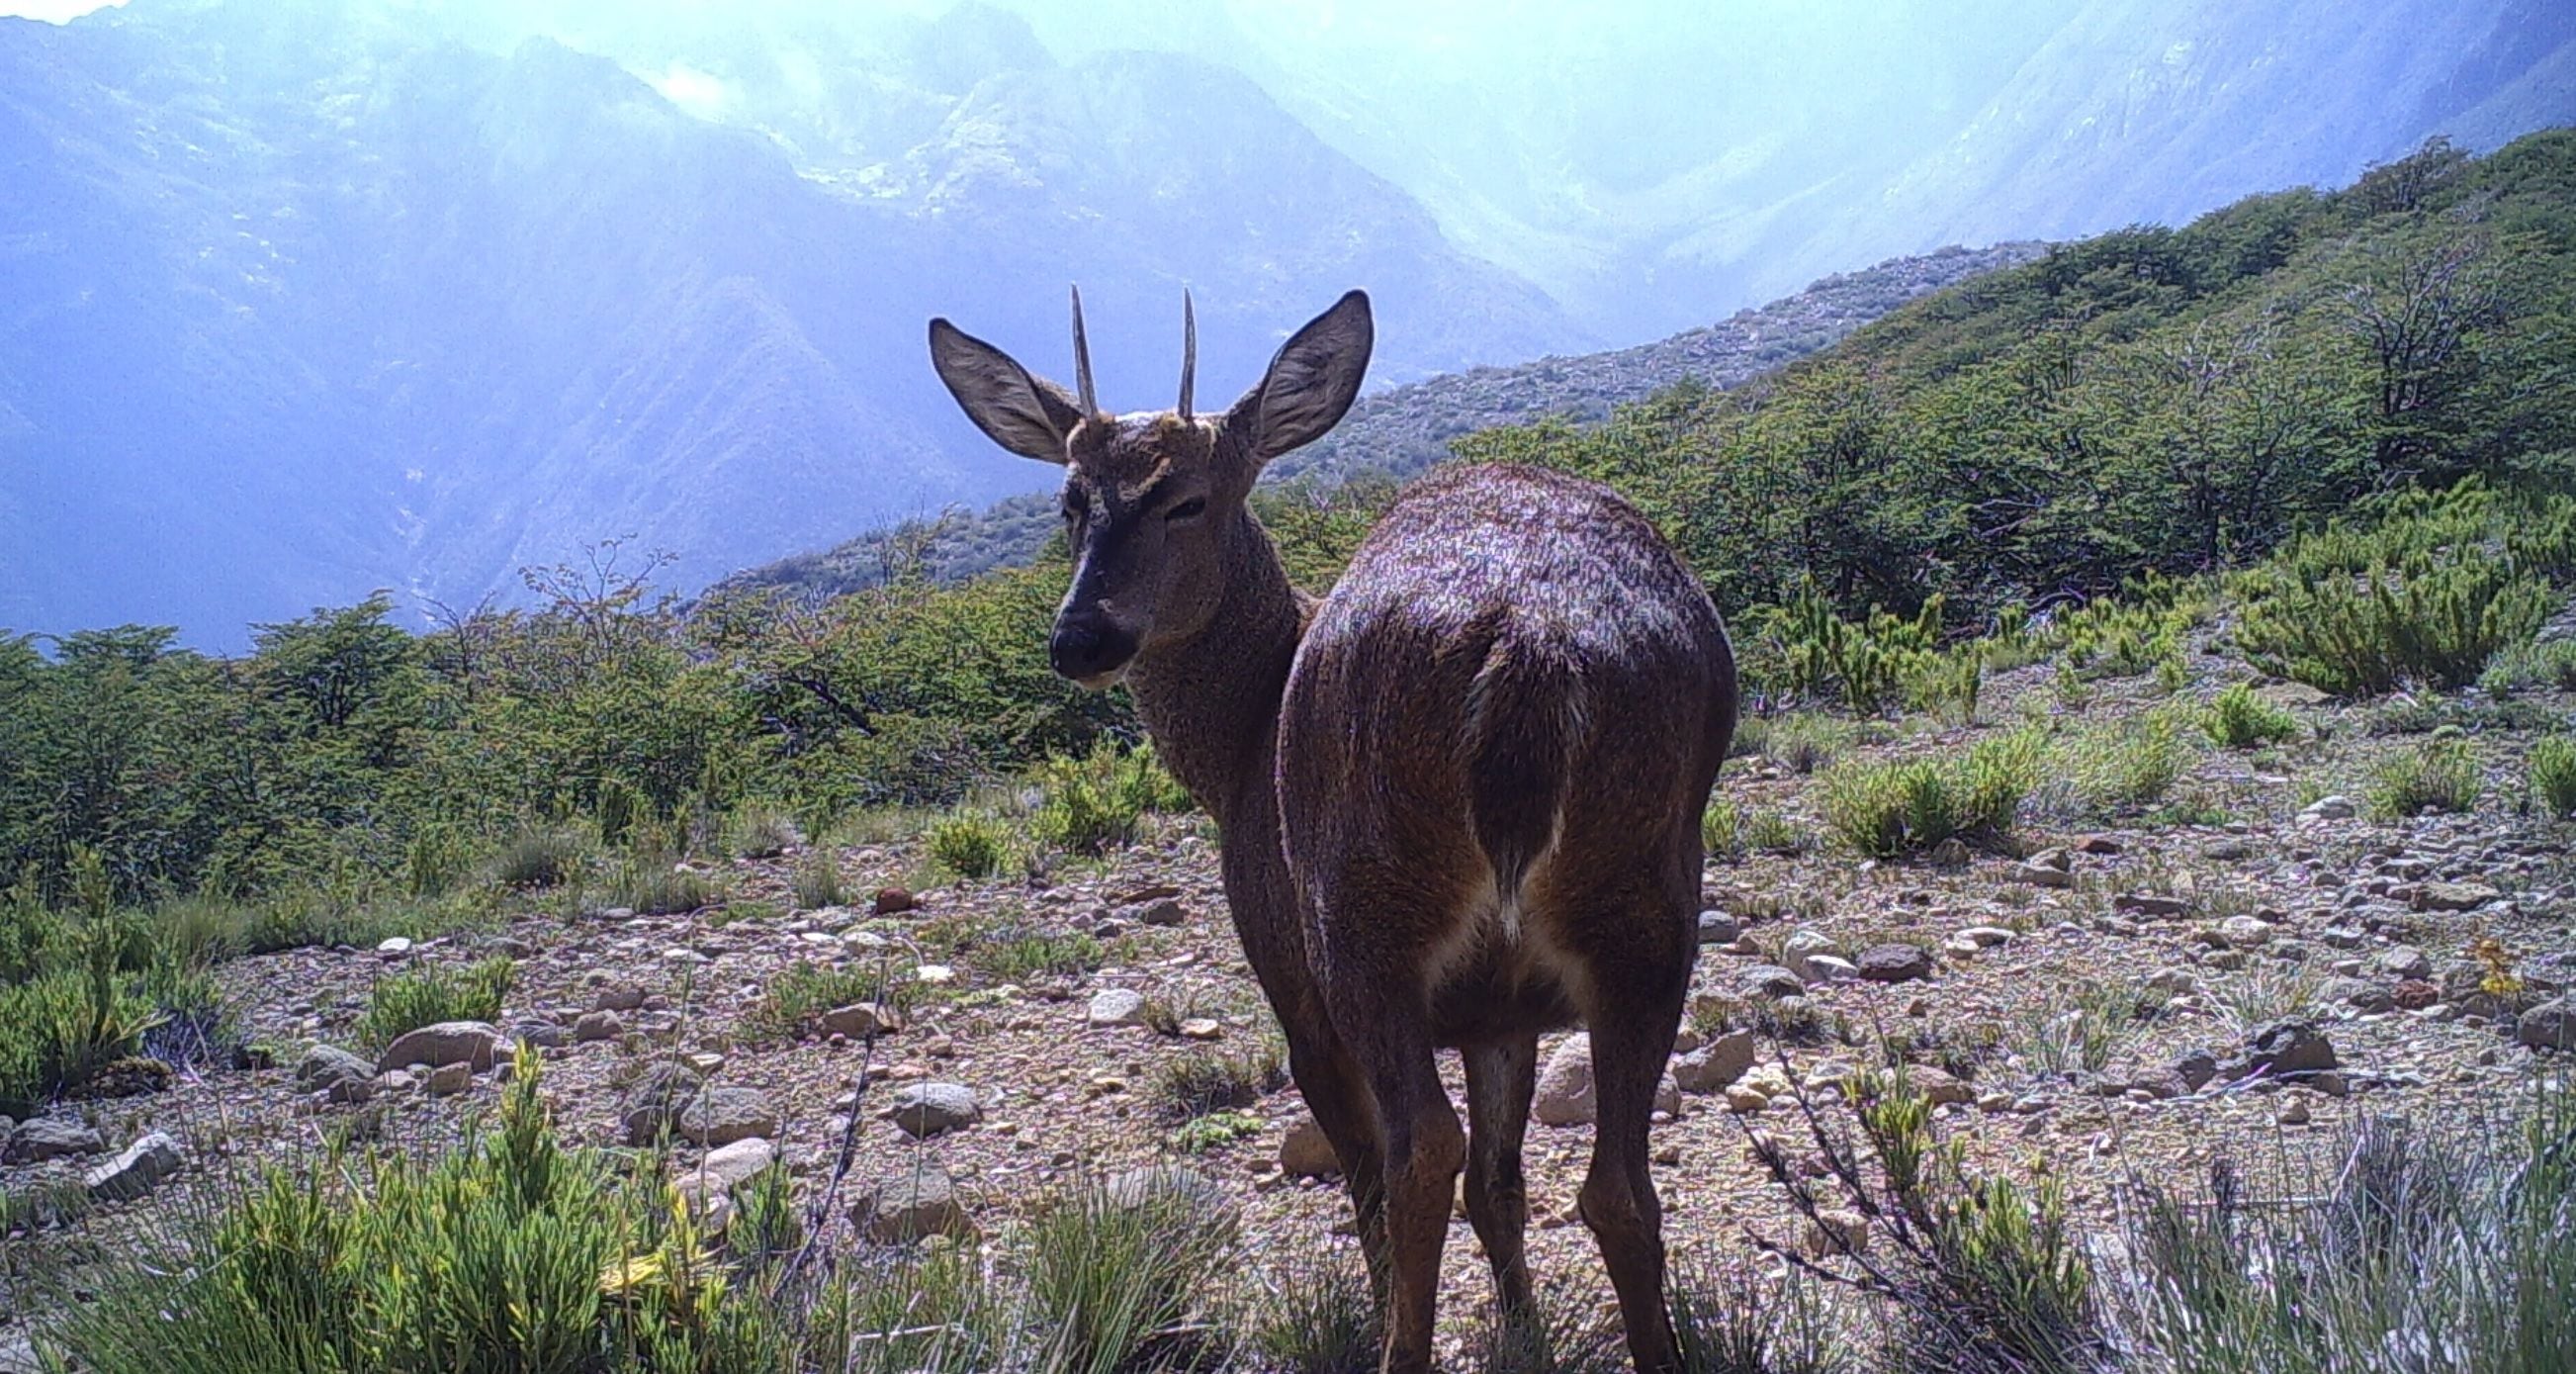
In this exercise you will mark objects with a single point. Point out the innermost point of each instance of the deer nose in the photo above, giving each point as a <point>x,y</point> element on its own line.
<point>1084,647</point>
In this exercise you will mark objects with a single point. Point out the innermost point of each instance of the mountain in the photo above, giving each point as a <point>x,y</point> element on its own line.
<point>305,298</point>
<point>1403,429</point>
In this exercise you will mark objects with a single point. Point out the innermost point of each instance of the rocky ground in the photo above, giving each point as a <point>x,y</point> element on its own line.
<point>2106,1001</point>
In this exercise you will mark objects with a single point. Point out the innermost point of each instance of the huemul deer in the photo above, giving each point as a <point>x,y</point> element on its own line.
<point>1459,796</point>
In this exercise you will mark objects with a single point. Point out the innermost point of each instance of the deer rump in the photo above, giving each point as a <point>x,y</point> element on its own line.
<point>1497,739</point>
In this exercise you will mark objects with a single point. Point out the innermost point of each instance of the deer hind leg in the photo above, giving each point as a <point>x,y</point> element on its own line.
<point>1501,1076</point>
<point>1338,1095</point>
<point>1634,1012</point>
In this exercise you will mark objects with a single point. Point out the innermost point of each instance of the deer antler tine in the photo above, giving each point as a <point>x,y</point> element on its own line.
<point>1082,359</point>
<point>1189,350</point>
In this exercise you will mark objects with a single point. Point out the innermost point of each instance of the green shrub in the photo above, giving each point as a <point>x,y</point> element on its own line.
<point>760,832</point>
<point>2537,664</point>
<point>1889,809</point>
<point>1110,1273</point>
<point>1200,1134</point>
<point>512,1253</point>
<point>538,856</point>
<point>2440,774</point>
<point>432,993</point>
<point>1096,802</point>
<point>818,880</point>
<point>968,846</point>
<point>29,932</point>
<point>1805,742</point>
<point>1721,829</point>
<point>793,1001</point>
<point>2238,719</point>
<point>1319,1318</point>
<point>1012,956</point>
<point>2130,766</point>
<point>2553,774</point>
<point>657,887</point>
<point>61,1028</point>
<point>1199,1082</point>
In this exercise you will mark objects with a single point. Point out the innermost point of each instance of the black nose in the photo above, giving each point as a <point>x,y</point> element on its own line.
<point>1085,646</point>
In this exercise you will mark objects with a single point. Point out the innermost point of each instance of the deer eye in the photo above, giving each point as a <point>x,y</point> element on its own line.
<point>1191,509</point>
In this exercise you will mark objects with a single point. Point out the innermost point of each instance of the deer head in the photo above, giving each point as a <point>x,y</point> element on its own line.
<point>1151,498</point>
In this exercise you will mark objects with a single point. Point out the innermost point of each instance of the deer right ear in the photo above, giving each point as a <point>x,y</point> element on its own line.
<point>1310,384</point>
<point>1022,413</point>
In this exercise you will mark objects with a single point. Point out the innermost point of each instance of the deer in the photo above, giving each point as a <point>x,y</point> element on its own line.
<point>1459,795</point>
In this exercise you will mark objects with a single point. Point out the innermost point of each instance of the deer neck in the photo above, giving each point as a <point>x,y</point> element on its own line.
<point>1211,700</point>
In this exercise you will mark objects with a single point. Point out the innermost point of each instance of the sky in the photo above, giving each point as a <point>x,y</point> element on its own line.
<point>53,11</point>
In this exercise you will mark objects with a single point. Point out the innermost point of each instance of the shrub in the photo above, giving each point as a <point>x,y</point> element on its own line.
<point>62,1027</point>
<point>818,880</point>
<point>2238,719</point>
<point>2541,664</point>
<point>1112,1272</point>
<point>433,993</point>
<point>1014,957</point>
<point>1201,1082</point>
<point>656,887</point>
<point>1318,1317</point>
<point>2132,765</point>
<point>968,846</point>
<point>1096,802</point>
<point>2553,774</point>
<point>2441,774</point>
<point>1805,742</point>
<point>761,832</point>
<point>1884,810</point>
<point>795,998</point>
<point>538,856</point>
<point>510,1253</point>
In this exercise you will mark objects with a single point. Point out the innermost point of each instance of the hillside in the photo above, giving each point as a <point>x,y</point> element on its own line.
<point>318,297</point>
<point>1400,430</point>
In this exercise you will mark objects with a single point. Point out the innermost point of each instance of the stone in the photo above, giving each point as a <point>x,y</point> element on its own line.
<point>53,1137</point>
<point>2052,858</point>
<point>1161,911</point>
<point>544,1034</point>
<point>1829,969</point>
<point>2549,1026</point>
<point>727,1166</point>
<point>2037,874</point>
<point>2370,999</point>
<point>1116,1007</point>
<point>894,901</point>
<point>2196,1069</point>
<point>2335,808</point>
<point>450,1078</point>
<point>325,1067</point>
<point>1939,1085</point>
<point>476,1044</point>
<point>1770,980</point>
<point>1201,1028</point>
<point>2406,961</point>
<point>598,1025</point>
<point>2245,932</point>
<point>911,1204</point>
<point>2099,844</point>
<point>1718,928</point>
<point>721,1116</point>
<point>1746,1101</point>
<point>862,1020</point>
<point>928,1109</point>
<point>393,947</point>
<point>1713,1066</point>
<point>1836,1231</point>
<point>136,1171</point>
<point>2294,1112</point>
<point>1894,963</point>
<point>1803,946</point>
<point>1198,1198</point>
<point>2150,904</point>
<point>1566,1095</point>
<point>1306,1152</point>
<point>2454,896</point>
<point>2284,1049</point>
<point>2415,994</point>
<point>1985,936</point>
<point>619,997</point>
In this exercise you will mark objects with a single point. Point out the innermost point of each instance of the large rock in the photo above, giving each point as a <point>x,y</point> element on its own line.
<point>727,1166</point>
<point>1718,928</point>
<point>1770,980</point>
<point>53,1137</point>
<point>1567,1095</point>
<point>2454,896</point>
<point>136,1170</point>
<point>599,1025</point>
<point>1306,1152</point>
<point>2284,1049</point>
<point>862,1021</point>
<point>2549,1026</point>
<point>1895,963</point>
<point>928,1109</point>
<point>324,1067</point>
<point>911,1203</point>
<point>1716,1064</point>
<point>475,1044</point>
<point>721,1116</point>
<point>654,1101</point>
<point>1116,1007</point>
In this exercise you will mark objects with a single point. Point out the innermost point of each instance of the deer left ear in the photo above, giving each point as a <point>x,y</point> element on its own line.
<point>1022,413</point>
<point>1311,382</point>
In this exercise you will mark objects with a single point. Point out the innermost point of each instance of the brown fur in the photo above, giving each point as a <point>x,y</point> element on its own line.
<point>1460,796</point>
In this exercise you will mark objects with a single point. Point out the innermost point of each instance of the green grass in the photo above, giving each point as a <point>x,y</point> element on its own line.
<point>2238,719</point>
<point>2129,766</point>
<point>1113,1277</point>
<point>817,880</point>
<point>794,999</point>
<point>1884,810</point>
<point>968,846</point>
<point>2553,775</point>
<point>431,994</point>
<point>652,886</point>
<point>2440,774</point>
<point>538,856</point>
<point>1202,1082</point>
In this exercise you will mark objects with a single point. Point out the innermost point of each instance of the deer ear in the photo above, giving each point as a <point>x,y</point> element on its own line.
<point>1030,417</point>
<point>1310,384</point>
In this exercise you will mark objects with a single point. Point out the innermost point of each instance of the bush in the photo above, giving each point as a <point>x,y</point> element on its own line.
<point>1111,1273</point>
<point>792,1003</point>
<point>2441,774</point>
<point>656,887</point>
<point>818,881</point>
<point>511,1253</point>
<point>538,856</point>
<point>433,993</point>
<point>2553,775</point>
<point>59,1029</point>
<point>1885,810</point>
<point>761,832</point>
<point>2131,766</point>
<point>2540,664</point>
<point>1318,1317</point>
<point>2238,719</point>
<point>968,846</point>
<point>1205,1081</point>
<point>1096,802</point>
<point>1016,957</point>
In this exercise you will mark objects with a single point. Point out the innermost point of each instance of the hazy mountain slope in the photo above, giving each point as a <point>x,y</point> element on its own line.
<point>305,299</point>
<point>1403,429</point>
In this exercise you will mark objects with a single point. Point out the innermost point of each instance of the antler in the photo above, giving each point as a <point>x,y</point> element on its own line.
<point>1189,350</point>
<point>1082,358</point>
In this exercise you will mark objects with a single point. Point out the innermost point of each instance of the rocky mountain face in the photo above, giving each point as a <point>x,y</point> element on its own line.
<point>308,298</point>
